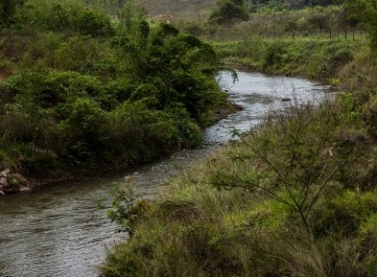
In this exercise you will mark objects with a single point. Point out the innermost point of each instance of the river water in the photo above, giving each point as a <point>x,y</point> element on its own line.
<point>62,229</point>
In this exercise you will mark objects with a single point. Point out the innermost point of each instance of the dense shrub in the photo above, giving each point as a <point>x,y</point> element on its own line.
<point>82,102</point>
<point>344,214</point>
<point>369,114</point>
<point>229,12</point>
<point>70,16</point>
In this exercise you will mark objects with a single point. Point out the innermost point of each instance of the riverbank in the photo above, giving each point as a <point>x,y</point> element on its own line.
<point>71,245</point>
<point>14,182</point>
<point>95,94</point>
<point>310,57</point>
<point>296,197</point>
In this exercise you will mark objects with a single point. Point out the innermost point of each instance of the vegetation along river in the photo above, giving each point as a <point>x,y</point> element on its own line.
<point>63,230</point>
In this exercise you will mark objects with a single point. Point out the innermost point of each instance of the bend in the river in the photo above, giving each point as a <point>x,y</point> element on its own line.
<point>63,230</point>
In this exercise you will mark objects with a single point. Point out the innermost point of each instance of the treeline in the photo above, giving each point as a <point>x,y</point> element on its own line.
<point>230,20</point>
<point>326,22</point>
<point>84,92</point>
<point>255,4</point>
<point>278,19</point>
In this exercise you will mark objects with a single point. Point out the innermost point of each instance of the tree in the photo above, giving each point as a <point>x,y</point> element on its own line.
<point>320,20</point>
<point>366,12</point>
<point>292,3</point>
<point>229,12</point>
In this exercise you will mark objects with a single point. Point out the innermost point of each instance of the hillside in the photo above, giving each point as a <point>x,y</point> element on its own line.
<point>183,9</point>
<point>197,10</point>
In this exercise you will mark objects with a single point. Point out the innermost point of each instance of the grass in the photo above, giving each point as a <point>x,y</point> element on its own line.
<point>278,203</point>
<point>179,10</point>
<point>310,56</point>
<point>295,197</point>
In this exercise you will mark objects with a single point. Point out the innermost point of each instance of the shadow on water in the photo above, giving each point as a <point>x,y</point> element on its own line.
<point>62,229</point>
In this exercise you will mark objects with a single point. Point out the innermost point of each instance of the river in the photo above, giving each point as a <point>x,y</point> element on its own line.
<point>62,229</point>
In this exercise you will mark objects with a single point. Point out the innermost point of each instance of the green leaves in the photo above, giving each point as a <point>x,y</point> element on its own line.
<point>7,9</point>
<point>228,12</point>
<point>69,17</point>
<point>366,12</point>
<point>96,92</point>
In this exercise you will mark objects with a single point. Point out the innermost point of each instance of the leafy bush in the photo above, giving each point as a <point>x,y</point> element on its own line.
<point>78,53</point>
<point>344,214</point>
<point>95,24</point>
<point>368,242</point>
<point>369,115</point>
<point>70,16</point>
<point>273,56</point>
<point>80,135</point>
<point>229,12</point>
<point>48,89</point>
<point>7,9</point>
<point>84,102</point>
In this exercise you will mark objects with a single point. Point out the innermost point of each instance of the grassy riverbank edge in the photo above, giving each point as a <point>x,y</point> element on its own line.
<point>296,197</point>
<point>310,57</point>
<point>20,183</point>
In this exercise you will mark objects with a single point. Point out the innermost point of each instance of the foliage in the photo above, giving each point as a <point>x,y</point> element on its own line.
<point>366,12</point>
<point>75,115</point>
<point>69,16</point>
<point>127,208</point>
<point>307,56</point>
<point>80,102</point>
<point>7,9</point>
<point>228,12</point>
<point>281,207</point>
<point>332,22</point>
<point>258,4</point>
<point>295,197</point>
<point>303,172</point>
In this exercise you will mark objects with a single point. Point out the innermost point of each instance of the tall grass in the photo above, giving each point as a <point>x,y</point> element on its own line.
<point>277,203</point>
<point>295,197</point>
<point>312,57</point>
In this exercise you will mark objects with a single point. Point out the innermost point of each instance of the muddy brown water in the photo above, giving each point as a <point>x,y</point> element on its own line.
<point>62,229</point>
